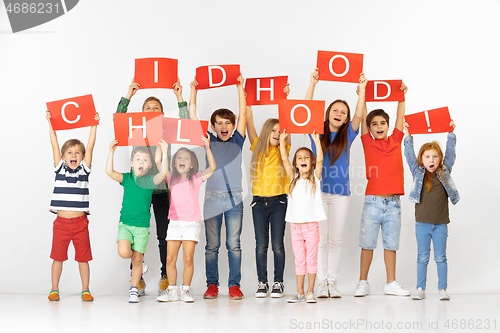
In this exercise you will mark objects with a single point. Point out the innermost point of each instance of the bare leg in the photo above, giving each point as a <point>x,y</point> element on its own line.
<point>84,275</point>
<point>365,262</point>
<point>125,249</point>
<point>300,284</point>
<point>136,268</point>
<point>390,265</point>
<point>311,279</point>
<point>173,247</point>
<point>188,258</point>
<point>56,273</point>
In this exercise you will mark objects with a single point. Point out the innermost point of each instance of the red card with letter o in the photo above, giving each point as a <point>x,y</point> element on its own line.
<point>339,66</point>
<point>138,128</point>
<point>266,90</point>
<point>73,112</point>
<point>153,73</point>
<point>384,91</point>
<point>217,76</point>
<point>431,121</point>
<point>298,116</point>
<point>185,131</point>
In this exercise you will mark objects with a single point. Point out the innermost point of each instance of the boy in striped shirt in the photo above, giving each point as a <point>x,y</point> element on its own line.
<point>70,201</point>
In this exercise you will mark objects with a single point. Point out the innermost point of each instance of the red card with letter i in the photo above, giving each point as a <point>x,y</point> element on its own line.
<point>217,76</point>
<point>266,90</point>
<point>73,112</point>
<point>339,66</point>
<point>299,116</point>
<point>138,128</point>
<point>384,91</point>
<point>185,131</point>
<point>156,73</point>
<point>431,121</point>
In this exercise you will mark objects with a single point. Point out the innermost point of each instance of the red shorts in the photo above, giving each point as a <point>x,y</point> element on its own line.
<point>76,230</point>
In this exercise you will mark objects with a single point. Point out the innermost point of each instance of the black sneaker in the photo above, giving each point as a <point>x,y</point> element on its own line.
<point>277,290</point>
<point>262,290</point>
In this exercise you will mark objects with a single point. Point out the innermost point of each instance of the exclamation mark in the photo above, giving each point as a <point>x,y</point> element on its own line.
<point>428,122</point>
<point>156,71</point>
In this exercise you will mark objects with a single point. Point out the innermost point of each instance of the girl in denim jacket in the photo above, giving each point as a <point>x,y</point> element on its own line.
<point>432,186</point>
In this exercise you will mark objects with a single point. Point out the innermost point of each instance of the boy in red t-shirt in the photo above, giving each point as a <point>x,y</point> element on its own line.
<point>382,206</point>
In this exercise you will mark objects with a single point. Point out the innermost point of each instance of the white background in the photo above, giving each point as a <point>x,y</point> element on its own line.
<point>446,52</point>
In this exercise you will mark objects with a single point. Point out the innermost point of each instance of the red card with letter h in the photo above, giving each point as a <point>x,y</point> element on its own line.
<point>266,90</point>
<point>138,128</point>
<point>71,113</point>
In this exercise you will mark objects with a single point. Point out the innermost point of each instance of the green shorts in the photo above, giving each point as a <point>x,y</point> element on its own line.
<point>137,236</point>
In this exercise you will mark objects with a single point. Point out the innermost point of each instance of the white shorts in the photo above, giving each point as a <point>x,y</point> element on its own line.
<point>183,230</point>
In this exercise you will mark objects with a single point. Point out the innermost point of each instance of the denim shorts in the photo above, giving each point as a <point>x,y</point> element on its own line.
<point>379,213</point>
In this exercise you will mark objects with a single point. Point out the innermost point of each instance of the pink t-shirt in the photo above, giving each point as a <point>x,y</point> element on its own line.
<point>184,199</point>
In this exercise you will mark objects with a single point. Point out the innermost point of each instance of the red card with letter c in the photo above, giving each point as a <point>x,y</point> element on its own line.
<point>138,128</point>
<point>73,112</point>
<point>217,76</point>
<point>339,66</point>
<point>431,121</point>
<point>185,131</point>
<point>299,116</point>
<point>384,91</point>
<point>153,73</point>
<point>266,90</point>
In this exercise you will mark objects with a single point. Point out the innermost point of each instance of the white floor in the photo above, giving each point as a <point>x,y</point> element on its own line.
<point>374,313</point>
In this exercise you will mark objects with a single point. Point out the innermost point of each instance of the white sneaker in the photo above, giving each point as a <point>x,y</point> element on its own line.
<point>443,295</point>
<point>419,295</point>
<point>187,296</point>
<point>172,294</point>
<point>310,298</point>
<point>296,298</point>
<point>323,289</point>
<point>163,296</point>
<point>333,291</point>
<point>362,289</point>
<point>394,288</point>
<point>133,295</point>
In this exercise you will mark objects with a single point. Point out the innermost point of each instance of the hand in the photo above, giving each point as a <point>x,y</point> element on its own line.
<point>132,89</point>
<point>207,141</point>
<point>362,83</point>
<point>286,90</point>
<point>452,123</point>
<point>193,84</point>
<point>240,81</point>
<point>283,136</point>
<point>48,116</point>
<point>112,146</point>
<point>404,88</point>
<point>164,147</point>
<point>315,137</point>
<point>96,117</point>
<point>315,76</point>
<point>405,128</point>
<point>178,88</point>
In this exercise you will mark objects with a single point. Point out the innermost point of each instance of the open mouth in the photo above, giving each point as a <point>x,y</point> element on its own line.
<point>72,162</point>
<point>380,132</point>
<point>303,165</point>
<point>140,169</point>
<point>182,166</point>
<point>224,133</point>
<point>337,119</point>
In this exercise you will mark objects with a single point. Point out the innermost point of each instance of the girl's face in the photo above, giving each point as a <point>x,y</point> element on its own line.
<point>431,160</point>
<point>338,116</point>
<point>183,162</point>
<point>303,162</point>
<point>274,137</point>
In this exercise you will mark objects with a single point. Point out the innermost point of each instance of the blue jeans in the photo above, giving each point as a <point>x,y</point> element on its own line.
<point>439,234</point>
<point>269,212</point>
<point>227,205</point>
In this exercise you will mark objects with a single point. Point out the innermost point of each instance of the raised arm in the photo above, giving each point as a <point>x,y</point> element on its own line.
<point>211,160</point>
<point>312,84</point>
<point>192,100</point>
<point>56,153</point>
<point>401,111</point>
<point>361,104</point>
<point>242,116</point>
<point>162,174</point>
<point>451,142</point>
<point>116,176</point>
<point>284,155</point>
<point>252,133</point>
<point>90,144</point>
<point>132,89</point>
<point>319,155</point>
<point>411,159</point>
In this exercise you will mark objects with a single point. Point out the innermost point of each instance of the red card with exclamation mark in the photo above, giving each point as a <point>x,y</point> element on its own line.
<point>431,121</point>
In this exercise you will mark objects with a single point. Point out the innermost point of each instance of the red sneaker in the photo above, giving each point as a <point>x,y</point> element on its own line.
<point>235,292</point>
<point>212,292</point>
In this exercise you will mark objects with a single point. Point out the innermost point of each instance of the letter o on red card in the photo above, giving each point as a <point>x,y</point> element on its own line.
<point>301,116</point>
<point>72,113</point>
<point>339,66</point>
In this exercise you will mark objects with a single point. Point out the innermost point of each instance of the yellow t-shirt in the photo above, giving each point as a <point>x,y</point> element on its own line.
<point>272,179</point>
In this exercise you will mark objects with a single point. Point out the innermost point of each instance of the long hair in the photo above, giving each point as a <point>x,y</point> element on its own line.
<point>427,178</point>
<point>193,171</point>
<point>335,148</point>
<point>310,174</point>
<point>262,148</point>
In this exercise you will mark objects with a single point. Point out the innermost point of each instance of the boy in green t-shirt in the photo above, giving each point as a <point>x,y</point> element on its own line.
<point>138,186</point>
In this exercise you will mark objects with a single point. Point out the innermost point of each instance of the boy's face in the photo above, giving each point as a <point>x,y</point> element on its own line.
<point>141,163</point>
<point>152,106</point>
<point>223,127</point>
<point>73,156</point>
<point>431,160</point>
<point>379,128</point>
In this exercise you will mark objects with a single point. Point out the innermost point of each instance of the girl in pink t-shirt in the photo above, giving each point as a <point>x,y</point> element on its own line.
<point>185,219</point>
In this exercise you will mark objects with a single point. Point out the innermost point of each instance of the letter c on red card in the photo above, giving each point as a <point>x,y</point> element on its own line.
<point>330,65</point>
<point>210,79</point>
<point>292,118</point>
<point>375,96</point>
<point>63,115</point>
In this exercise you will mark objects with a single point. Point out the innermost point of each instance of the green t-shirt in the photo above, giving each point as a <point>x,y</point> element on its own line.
<point>137,192</point>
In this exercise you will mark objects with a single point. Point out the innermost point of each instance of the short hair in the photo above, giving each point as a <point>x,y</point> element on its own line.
<point>375,113</point>
<point>225,114</point>
<point>144,150</point>
<point>71,143</point>
<point>152,98</point>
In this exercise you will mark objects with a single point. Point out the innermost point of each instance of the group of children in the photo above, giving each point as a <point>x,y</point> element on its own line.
<point>311,193</point>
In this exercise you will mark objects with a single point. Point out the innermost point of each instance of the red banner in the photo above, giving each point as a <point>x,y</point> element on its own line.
<point>339,66</point>
<point>384,91</point>
<point>138,128</point>
<point>298,116</point>
<point>431,121</point>
<point>217,76</point>
<point>266,90</point>
<point>185,131</point>
<point>153,73</point>
<point>73,112</point>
